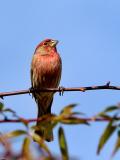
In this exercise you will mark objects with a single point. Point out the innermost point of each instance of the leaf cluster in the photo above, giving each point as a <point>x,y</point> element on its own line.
<point>66,116</point>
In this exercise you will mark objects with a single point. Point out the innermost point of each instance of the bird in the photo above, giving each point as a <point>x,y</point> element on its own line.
<point>46,68</point>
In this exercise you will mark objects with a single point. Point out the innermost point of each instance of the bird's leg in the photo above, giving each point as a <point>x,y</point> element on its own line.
<point>61,90</point>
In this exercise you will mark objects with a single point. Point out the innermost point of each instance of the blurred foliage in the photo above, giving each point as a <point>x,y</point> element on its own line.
<point>66,116</point>
<point>110,115</point>
<point>63,144</point>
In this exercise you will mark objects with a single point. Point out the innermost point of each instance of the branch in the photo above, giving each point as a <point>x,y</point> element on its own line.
<point>61,90</point>
<point>90,119</point>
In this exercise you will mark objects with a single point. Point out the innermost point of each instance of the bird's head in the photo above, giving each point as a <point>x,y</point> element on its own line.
<point>47,45</point>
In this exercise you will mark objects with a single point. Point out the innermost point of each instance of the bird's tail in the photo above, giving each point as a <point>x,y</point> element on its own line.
<point>45,130</point>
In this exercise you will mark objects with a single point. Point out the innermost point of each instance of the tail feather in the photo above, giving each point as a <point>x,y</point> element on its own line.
<point>44,132</point>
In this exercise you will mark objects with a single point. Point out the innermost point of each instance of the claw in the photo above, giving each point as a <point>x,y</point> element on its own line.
<point>1,97</point>
<point>61,90</point>
<point>31,90</point>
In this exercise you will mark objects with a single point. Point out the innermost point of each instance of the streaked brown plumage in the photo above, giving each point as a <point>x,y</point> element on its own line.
<point>46,69</point>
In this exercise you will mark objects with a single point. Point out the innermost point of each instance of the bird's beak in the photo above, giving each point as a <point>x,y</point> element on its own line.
<point>54,43</point>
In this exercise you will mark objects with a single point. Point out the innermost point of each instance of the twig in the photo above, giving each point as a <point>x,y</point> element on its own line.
<point>61,89</point>
<point>91,119</point>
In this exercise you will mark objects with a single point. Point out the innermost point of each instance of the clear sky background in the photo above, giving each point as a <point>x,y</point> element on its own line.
<point>89,44</point>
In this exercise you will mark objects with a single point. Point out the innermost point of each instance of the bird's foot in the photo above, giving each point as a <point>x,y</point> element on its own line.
<point>61,90</point>
<point>1,97</point>
<point>31,90</point>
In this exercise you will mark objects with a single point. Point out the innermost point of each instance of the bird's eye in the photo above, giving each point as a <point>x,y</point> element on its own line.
<point>45,43</point>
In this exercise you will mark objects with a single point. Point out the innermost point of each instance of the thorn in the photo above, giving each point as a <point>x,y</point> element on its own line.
<point>108,83</point>
<point>61,90</point>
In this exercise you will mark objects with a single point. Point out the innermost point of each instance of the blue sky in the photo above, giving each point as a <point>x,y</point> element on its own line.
<point>89,34</point>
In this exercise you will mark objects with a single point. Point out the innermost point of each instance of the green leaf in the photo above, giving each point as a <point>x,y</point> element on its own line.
<point>9,110</point>
<point>117,145</point>
<point>73,120</point>
<point>26,145</point>
<point>1,106</point>
<point>16,133</point>
<point>68,109</point>
<point>41,143</point>
<point>26,154</point>
<point>109,130</point>
<point>77,113</point>
<point>118,131</point>
<point>107,110</point>
<point>103,115</point>
<point>63,144</point>
<point>111,108</point>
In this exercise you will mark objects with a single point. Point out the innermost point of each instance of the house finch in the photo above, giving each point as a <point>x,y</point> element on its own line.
<point>46,69</point>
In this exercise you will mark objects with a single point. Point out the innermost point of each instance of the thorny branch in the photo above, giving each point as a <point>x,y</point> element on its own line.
<point>61,90</point>
<point>90,119</point>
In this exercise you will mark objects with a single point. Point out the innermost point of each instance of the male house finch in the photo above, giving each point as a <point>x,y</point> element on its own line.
<point>46,69</point>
